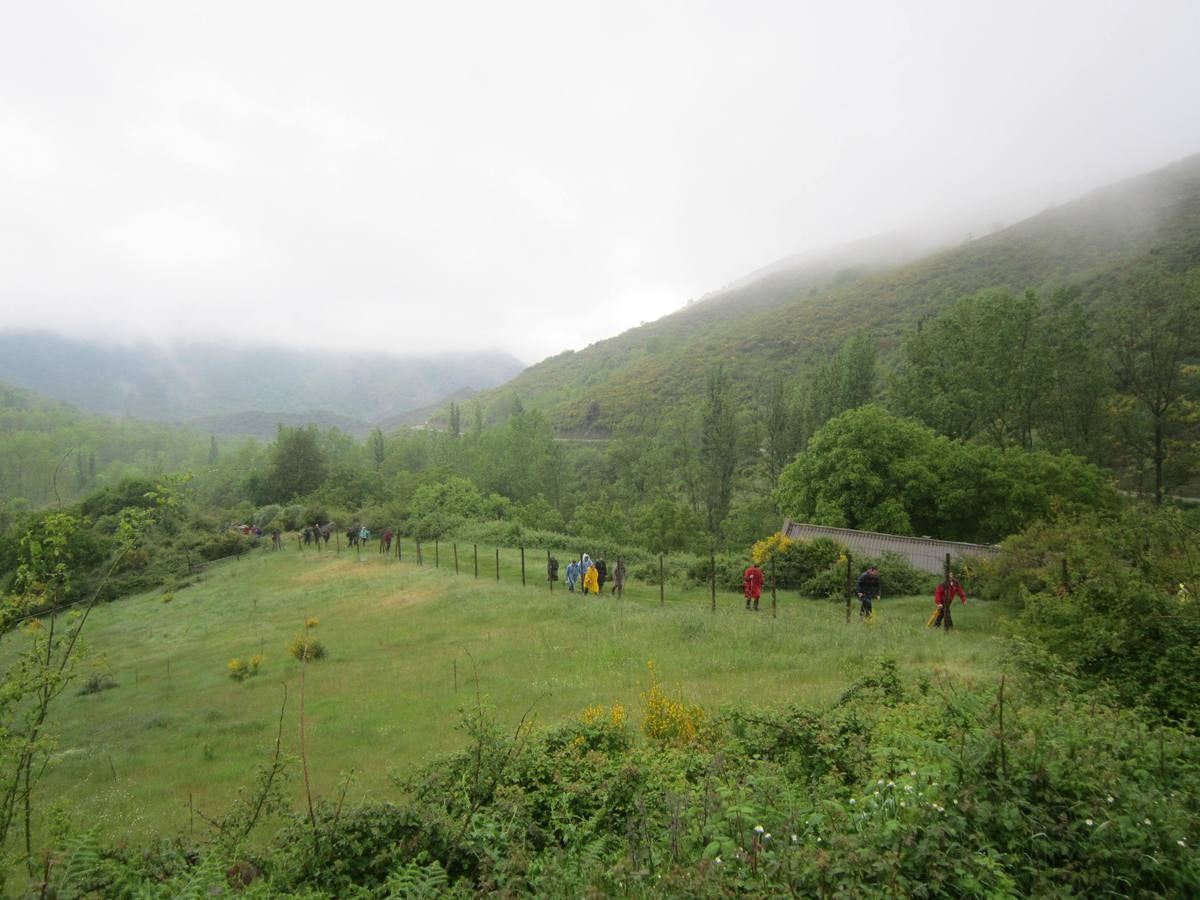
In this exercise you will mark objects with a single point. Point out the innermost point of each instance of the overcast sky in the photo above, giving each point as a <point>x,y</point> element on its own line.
<point>531,176</point>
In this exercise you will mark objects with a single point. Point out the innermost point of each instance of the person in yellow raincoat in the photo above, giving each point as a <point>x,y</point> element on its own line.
<point>591,580</point>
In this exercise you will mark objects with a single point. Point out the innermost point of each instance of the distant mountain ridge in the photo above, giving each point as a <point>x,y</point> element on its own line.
<point>776,320</point>
<point>219,385</point>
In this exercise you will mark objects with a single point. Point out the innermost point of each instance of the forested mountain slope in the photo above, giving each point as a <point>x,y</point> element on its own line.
<point>183,382</point>
<point>52,452</point>
<point>777,322</point>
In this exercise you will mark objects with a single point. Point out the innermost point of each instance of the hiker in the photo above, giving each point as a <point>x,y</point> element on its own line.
<point>276,539</point>
<point>601,575</point>
<point>943,599</point>
<point>752,582</point>
<point>386,547</point>
<point>324,532</point>
<point>572,575</point>
<point>618,578</point>
<point>868,591</point>
<point>591,578</point>
<point>364,535</point>
<point>308,535</point>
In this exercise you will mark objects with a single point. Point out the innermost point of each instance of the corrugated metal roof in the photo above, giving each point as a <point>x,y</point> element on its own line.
<point>923,553</point>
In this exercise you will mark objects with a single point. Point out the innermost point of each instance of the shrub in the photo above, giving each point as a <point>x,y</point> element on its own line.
<point>667,719</point>
<point>306,649</point>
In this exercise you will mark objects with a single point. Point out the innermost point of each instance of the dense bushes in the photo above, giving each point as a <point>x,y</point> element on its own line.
<point>928,789</point>
<point>1127,614</point>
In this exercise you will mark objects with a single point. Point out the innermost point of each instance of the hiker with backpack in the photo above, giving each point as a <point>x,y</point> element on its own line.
<point>868,590</point>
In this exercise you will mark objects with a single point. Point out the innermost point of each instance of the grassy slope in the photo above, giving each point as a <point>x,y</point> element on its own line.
<point>384,700</point>
<point>776,322</point>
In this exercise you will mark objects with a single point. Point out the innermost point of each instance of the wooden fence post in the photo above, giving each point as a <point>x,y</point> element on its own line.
<point>947,617</point>
<point>774,613</point>
<point>420,561</point>
<point>549,573</point>
<point>712,577</point>
<point>661,589</point>
<point>849,591</point>
<point>523,567</point>
<point>456,559</point>
<point>497,563</point>
<point>476,560</point>
<point>399,555</point>
<point>437,557</point>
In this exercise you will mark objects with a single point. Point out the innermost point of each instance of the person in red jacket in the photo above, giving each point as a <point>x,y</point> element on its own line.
<point>752,582</point>
<point>943,597</point>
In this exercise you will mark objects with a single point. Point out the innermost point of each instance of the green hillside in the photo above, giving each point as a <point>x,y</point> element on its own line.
<point>50,451</point>
<point>776,323</point>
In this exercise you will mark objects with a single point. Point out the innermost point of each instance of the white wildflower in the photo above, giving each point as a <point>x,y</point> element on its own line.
<point>1147,821</point>
<point>851,801</point>
<point>1088,822</point>
<point>1181,842</point>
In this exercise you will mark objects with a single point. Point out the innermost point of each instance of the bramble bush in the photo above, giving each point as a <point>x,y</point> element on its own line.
<point>936,789</point>
<point>1128,616</point>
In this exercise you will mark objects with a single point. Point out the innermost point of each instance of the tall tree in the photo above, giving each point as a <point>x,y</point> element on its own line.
<point>1153,333</point>
<point>454,418</point>
<point>377,447</point>
<point>844,381</point>
<point>297,465</point>
<point>780,428</point>
<point>718,448</point>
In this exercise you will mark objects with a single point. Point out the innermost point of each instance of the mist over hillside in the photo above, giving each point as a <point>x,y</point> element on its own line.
<point>241,389</point>
<point>779,318</point>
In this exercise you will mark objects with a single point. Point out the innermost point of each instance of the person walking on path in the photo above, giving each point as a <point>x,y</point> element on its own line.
<point>572,575</point>
<point>618,574</point>
<point>752,583</point>
<point>868,591</point>
<point>943,599</point>
<point>601,575</point>
<point>591,580</point>
<point>386,547</point>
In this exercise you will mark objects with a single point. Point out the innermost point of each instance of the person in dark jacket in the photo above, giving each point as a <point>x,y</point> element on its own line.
<point>618,587</point>
<point>601,573</point>
<point>868,591</point>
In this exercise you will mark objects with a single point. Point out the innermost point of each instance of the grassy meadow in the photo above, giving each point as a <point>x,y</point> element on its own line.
<point>404,647</point>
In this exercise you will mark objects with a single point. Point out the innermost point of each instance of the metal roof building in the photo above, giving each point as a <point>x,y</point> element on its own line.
<point>922,552</point>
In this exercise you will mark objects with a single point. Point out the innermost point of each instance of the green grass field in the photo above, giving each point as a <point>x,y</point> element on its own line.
<point>404,645</point>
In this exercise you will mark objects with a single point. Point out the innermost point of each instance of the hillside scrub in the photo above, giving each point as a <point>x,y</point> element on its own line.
<point>1127,616</point>
<point>932,788</point>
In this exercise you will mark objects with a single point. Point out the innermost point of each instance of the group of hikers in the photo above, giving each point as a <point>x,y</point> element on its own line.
<point>868,590</point>
<point>590,575</point>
